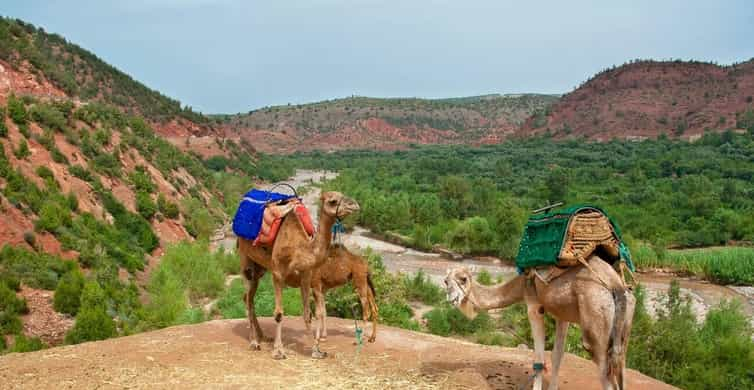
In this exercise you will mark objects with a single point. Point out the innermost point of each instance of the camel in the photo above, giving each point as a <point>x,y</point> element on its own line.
<point>603,311</point>
<point>291,260</point>
<point>341,267</point>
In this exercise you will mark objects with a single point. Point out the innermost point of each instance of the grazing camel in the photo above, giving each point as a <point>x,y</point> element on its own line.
<point>291,260</point>
<point>341,267</point>
<point>603,311</point>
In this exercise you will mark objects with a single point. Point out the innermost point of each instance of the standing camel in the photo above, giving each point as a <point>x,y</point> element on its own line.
<point>341,267</point>
<point>291,261</point>
<point>603,311</point>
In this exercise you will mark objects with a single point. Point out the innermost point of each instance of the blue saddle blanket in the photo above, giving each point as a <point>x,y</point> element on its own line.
<point>248,219</point>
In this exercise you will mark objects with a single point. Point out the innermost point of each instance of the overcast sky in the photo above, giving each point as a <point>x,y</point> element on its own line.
<point>227,56</point>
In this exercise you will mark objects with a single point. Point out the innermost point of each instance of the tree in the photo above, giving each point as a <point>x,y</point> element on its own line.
<point>92,321</point>
<point>17,110</point>
<point>455,196</point>
<point>144,205</point>
<point>556,184</point>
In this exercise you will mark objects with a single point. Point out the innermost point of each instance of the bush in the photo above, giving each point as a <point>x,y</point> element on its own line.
<point>144,205</point>
<point>166,207</point>
<point>716,354</point>
<point>48,116</point>
<point>10,308</point>
<point>420,288</point>
<point>198,220</point>
<point>52,217</point>
<point>21,343</point>
<point>446,320</point>
<point>484,278</point>
<point>68,293</point>
<point>199,270</point>
<point>22,152</point>
<point>37,270</point>
<point>10,281</point>
<point>92,321</point>
<point>81,172</point>
<point>3,127</point>
<point>141,180</point>
<point>17,110</point>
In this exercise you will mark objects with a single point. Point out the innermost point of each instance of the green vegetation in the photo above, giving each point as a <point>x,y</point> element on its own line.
<point>166,207</point>
<point>724,265</point>
<point>715,354</point>
<point>145,205</point>
<point>37,270</point>
<point>475,200</point>
<point>22,343</point>
<point>93,322</point>
<point>187,273</point>
<point>68,293</point>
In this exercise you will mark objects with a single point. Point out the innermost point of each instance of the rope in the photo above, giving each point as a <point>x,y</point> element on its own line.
<point>538,368</point>
<point>337,231</point>
<point>358,331</point>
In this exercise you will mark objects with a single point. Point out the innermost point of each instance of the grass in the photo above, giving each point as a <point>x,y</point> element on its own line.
<point>725,265</point>
<point>232,305</point>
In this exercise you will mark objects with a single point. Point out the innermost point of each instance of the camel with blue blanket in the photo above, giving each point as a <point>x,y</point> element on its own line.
<point>290,249</point>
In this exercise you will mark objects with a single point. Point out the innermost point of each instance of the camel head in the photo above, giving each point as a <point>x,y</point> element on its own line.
<point>337,205</point>
<point>460,293</point>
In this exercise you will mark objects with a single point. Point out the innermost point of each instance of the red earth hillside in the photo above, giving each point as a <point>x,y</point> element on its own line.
<point>649,98</point>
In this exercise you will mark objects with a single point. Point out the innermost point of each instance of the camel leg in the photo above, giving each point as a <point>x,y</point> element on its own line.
<point>363,292</point>
<point>277,350</point>
<point>253,273</point>
<point>561,331</point>
<point>375,316</point>
<point>536,313</point>
<point>306,282</point>
<point>596,327</point>
<point>319,305</point>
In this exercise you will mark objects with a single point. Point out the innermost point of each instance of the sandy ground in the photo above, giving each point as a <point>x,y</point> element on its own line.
<point>215,355</point>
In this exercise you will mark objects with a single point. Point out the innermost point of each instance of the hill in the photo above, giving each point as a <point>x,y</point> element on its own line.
<point>216,354</point>
<point>47,65</point>
<point>649,98</point>
<point>385,124</point>
<point>85,175</point>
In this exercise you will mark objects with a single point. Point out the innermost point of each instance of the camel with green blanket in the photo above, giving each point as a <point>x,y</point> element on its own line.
<point>589,291</point>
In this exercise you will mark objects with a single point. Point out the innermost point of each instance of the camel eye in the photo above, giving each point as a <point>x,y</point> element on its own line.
<point>463,280</point>
<point>332,202</point>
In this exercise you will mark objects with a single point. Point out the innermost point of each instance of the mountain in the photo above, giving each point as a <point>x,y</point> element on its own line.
<point>649,98</point>
<point>384,124</point>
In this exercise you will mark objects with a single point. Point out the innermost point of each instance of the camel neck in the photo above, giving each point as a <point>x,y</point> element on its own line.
<point>323,237</point>
<point>500,295</point>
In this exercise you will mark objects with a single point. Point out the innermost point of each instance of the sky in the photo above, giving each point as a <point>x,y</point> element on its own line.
<point>228,56</point>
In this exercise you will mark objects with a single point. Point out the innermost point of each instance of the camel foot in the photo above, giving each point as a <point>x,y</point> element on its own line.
<point>254,346</point>
<point>372,339</point>
<point>317,354</point>
<point>322,339</point>
<point>278,354</point>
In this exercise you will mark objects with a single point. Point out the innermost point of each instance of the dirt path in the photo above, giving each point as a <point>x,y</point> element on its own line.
<point>215,355</point>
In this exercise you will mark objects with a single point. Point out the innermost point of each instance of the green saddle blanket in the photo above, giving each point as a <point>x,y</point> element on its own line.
<point>545,234</point>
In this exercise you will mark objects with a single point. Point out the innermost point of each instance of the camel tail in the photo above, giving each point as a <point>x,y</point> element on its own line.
<point>618,333</point>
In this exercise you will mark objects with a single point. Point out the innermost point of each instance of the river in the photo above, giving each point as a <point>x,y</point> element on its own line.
<point>703,295</point>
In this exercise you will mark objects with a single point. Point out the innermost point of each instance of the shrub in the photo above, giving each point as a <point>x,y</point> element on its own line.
<point>48,116</point>
<point>167,299</point>
<point>37,270</point>
<point>52,216</point>
<point>141,180</point>
<point>11,281</point>
<point>10,307</point>
<point>446,320</point>
<point>198,269</point>
<point>92,321</point>
<point>21,343</point>
<point>81,172</point>
<point>484,278</point>
<point>166,207</point>
<point>17,110</point>
<point>30,238</point>
<point>144,205</point>
<point>217,163</point>
<point>22,152</point>
<point>68,293</point>
<point>420,288</point>
<point>3,127</point>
